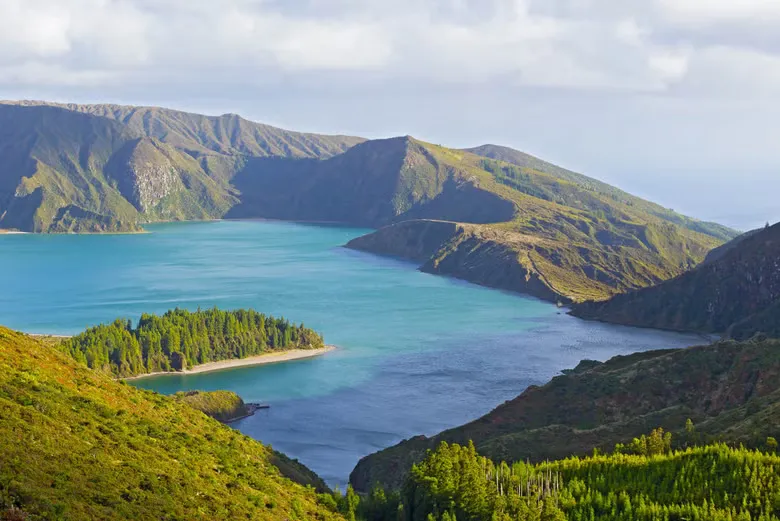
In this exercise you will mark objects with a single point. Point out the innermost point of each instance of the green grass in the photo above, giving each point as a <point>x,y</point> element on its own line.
<point>220,405</point>
<point>78,445</point>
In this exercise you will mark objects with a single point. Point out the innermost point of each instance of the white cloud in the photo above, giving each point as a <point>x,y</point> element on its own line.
<point>632,46</point>
<point>707,11</point>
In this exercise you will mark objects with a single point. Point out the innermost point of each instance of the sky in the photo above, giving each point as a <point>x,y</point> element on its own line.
<point>677,101</point>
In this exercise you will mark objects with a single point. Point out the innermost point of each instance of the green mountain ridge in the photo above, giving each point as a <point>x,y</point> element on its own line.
<point>530,162</point>
<point>79,445</point>
<point>526,226</point>
<point>98,168</point>
<point>730,390</point>
<point>736,292</point>
<point>542,235</point>
<point>201,135</point>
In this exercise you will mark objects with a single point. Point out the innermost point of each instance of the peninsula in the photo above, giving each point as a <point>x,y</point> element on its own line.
<point>263,359</point>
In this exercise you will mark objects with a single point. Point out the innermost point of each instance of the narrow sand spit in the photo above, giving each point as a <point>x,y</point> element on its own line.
<point>266,358</point>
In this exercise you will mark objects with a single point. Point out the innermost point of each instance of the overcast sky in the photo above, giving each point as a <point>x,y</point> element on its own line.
<point>674,100</point>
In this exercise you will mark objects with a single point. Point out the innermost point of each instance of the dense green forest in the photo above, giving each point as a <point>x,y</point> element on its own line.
<point>180,339</point>
<point>644,480</point>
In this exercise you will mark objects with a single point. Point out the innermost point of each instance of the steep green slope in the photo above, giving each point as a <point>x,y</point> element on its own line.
<point>374,183</point>
<point>547,236</point>
<point>737,293</point>
<point>529,163</point>
<point>730,390</point>
<point>96,168</point>
<point>227,406</point>
<point>200,135</point>
<point>51,162</point>
<point>718,253</point>
<point>79,445</point>
<point>66,171</point>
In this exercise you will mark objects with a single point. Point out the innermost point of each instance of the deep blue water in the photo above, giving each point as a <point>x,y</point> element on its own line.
<point>417,353</point>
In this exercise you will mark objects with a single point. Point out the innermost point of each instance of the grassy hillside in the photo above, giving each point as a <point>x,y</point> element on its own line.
<point>737,292</point>
<point>224,406</point>
<point>539,233</point>
<point>529,163</point>
<point>79,445</point>
<point>107,168</point>
<point>63,171</point>
<point>199,135</point>
<point>730,390</point>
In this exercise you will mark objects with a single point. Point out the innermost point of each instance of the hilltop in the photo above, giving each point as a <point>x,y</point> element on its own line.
<point>736,292</point>
<point>79,445</point>
<point>730,390</point>
<point>511,221</point>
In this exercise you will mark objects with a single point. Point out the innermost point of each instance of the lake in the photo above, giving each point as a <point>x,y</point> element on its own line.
<point>418,353</point>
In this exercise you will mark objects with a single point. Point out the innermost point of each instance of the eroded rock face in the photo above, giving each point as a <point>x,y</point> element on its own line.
<point>144,173</point>
<point>151,183</point>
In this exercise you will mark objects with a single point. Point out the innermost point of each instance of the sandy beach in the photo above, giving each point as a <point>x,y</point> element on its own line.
<point>267,358</point>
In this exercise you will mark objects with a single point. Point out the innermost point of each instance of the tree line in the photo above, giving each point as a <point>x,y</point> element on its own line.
<point>180,339</point>
<point>645,480</point>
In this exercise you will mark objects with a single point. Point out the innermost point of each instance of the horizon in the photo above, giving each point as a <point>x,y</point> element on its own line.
<point>646,96</point>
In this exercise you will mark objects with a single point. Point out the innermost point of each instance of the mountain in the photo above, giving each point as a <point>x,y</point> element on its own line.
<point>523,225</point>
<point>199,135</point>
<point>730,391</point>
<point>506,226</point>
<point>373,184</point>
<point>737,292</point>
<point>98,168</point>
<point>717,253</point>
<point>529,162</point>
<point>80,445</point>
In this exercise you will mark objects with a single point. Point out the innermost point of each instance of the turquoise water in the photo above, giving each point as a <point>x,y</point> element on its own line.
<point>417,353</point>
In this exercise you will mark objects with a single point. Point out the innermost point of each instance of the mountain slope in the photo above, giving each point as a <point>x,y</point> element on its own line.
<point>530,163</point>
<point>52,161</point>
<point>373,184</point>
<point>92,168</point>
<point>199,135</point>
<point>737,293</point>
<point>78,445</point>
<point>731,391</point>
<point>538,233</point>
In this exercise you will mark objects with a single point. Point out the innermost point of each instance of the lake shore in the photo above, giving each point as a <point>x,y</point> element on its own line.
<point>266,358</point>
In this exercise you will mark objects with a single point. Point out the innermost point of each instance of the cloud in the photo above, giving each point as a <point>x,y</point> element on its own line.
<point>626,88</point>
<point>698,12</point>
<point>567,44</point>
